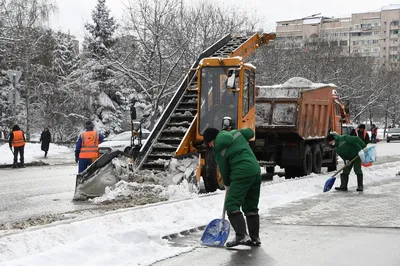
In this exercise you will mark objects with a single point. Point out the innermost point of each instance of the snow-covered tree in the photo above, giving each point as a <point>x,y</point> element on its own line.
<point>101,38</point>
<point>64,57</point>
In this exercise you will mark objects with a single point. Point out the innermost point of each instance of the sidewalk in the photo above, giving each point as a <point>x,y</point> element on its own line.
<point>335,228</point>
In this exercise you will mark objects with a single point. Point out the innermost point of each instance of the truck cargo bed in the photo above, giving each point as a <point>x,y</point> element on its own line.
<point>303,109</point>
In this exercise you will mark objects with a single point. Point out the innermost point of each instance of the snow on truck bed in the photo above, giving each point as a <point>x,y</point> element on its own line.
<point>290,89</point>
<point>283,114</point>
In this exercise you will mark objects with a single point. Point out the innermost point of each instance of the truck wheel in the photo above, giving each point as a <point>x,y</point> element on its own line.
<point>333,166</point>
<point>306,168</point>
<point>316,160</point>
<point>210,175</point>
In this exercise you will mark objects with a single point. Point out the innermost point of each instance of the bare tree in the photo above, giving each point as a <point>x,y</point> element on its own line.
<point>23,18</point>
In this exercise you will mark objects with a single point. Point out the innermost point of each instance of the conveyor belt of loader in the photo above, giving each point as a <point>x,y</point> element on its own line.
<point>180,113</point>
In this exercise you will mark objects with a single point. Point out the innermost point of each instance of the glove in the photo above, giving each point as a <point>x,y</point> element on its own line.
<point>76,160</point>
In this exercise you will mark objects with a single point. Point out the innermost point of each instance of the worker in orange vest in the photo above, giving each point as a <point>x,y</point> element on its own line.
<point>17,141</point>
<point>361,133</point>
<point>87,147</point>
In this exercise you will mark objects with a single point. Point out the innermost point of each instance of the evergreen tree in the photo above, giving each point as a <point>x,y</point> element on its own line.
<point>101,38</point>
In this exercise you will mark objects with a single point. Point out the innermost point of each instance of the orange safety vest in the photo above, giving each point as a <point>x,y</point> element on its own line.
<point>18,139</point>
<point>90,145</point>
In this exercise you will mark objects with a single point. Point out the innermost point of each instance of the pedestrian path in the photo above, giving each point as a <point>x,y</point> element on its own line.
<point>335,228</point>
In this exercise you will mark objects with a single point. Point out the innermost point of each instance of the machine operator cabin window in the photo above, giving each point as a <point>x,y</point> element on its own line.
<point>245,103</point>
<point>251,89</point>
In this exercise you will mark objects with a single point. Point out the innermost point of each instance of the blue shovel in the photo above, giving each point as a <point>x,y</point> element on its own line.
<point>329,183</point>
<point>217,231</point>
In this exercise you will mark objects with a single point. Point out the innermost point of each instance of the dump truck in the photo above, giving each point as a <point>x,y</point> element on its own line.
<point>292,122</point>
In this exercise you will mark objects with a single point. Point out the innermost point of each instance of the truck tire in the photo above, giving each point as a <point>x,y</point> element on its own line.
<point>316,159</point>
<point>307,164</point>
<point>333,166</point>
<point>210,174</point>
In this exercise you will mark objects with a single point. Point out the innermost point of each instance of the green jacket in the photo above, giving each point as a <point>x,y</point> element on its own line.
<point>348,146</point>
<point>234,156</point>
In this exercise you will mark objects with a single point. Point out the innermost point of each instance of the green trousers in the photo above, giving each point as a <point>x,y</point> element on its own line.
<point>243,193</point>
<point>357,168</point>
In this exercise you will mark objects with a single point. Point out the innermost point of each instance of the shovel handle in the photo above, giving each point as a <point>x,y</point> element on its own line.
<point>348,164</point>
<point>223,208</point>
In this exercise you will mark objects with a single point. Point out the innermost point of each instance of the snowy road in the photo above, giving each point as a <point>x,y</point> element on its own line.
<point>36,190</point>
<point>134,236</point>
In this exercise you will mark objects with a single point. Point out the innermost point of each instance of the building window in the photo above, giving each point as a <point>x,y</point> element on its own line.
<point>343,43</point>
<point>375,41</point>
<point>355,42</point>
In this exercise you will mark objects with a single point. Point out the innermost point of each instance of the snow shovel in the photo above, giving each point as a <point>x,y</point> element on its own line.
<point>217,231</point>
<point>331,181</point>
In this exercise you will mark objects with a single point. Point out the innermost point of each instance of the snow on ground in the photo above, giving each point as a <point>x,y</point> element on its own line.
<point>134,236</point>
<point>33,153</point>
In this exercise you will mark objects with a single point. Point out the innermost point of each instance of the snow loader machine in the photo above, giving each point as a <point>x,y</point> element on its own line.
<point>175,134</point>
<point>205,98</point>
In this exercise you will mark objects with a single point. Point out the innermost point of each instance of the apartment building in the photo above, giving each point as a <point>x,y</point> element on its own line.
<point>374,34</point>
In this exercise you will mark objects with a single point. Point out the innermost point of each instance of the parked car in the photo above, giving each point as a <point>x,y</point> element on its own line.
<point>347,128</point>
<point>393,134</point>
<point>121,142</point>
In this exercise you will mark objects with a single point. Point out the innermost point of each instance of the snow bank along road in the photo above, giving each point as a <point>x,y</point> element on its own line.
<point>134,236</point>
<point>40,195</point>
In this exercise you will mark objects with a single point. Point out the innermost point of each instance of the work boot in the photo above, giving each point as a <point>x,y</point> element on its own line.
<point>344,180</point>
<point>239,225</point>
<point>14,165</point>
<point>360,186</point>
<point>253,224</point>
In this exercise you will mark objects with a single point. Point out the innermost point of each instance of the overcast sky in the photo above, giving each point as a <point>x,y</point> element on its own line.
<point>73,13</point>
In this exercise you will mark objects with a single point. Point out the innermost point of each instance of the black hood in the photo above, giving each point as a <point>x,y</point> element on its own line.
<point>15,128</point>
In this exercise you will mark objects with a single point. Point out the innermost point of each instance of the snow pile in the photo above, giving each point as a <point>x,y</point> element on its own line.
<point>391,7</point>
<point>33,153</point>
<point>134,236</point>
<point>178,182</point>
<point>290,89</point>
<point>126,191</point>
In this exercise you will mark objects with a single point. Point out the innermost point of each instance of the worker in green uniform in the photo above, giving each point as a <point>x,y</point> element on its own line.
<point>240,172</point>
<point>348,148</point>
